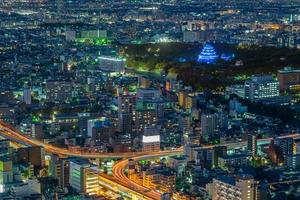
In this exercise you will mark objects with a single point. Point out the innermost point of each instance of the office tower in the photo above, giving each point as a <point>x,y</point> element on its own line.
<point>83,123</point>
<point>126,113</point>
<point>83,177</point>
<point>209,125</point>
<point>77,167</point>
<point>146,118</point>
<point>239,188</point>
<point>260,87</point>
<point>252,144</point>
<point>64,179</point>
<point>27,96</point>
<point>151,140</point>
<point>37,131</point>
<point>289,78</point>
<point>148,101</point>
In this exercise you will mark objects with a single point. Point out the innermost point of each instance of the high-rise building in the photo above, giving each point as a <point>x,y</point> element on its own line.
<point>83,177</point>
<point>64,179</point>
<point>148,101</point>
<point>289,78</point>
<point>37,131</point>
<point>151,140</point>
<point>146,118</point>
<point>126,112</point>
<point>83,123</point>
<point>27,96</point>
<point>252,144</point>
<point>238,188</point>
<point>77,167</point>
<point>261,87</point>
<point>208,125</point>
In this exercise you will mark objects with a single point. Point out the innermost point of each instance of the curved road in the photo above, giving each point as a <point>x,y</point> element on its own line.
<point>119,168</point>
<point>9,132</point>
<point>119,172</point>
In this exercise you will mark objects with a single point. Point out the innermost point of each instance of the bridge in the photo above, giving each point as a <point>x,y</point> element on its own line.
<point>119,182</point>
<point>8,132</point>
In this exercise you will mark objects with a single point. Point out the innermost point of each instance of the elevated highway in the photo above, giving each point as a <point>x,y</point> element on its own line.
<point>8,132</point>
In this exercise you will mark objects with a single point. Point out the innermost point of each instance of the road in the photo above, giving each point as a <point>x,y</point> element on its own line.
<point>120,167</point>
<point>9,132</point>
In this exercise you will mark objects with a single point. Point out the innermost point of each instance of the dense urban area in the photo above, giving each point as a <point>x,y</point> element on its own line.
<point>149,99</point>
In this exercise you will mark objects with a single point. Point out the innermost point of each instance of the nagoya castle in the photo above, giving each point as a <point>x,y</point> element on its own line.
<point>208,55</point>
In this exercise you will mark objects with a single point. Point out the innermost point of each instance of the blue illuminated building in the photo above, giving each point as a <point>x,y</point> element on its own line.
<point>208,55</point>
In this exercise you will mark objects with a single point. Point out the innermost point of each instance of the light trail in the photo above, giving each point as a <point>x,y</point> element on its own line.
<point>120,167</point>
<point>9,132</point>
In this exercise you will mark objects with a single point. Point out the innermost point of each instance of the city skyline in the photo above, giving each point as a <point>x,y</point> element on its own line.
<point>149,99</point>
